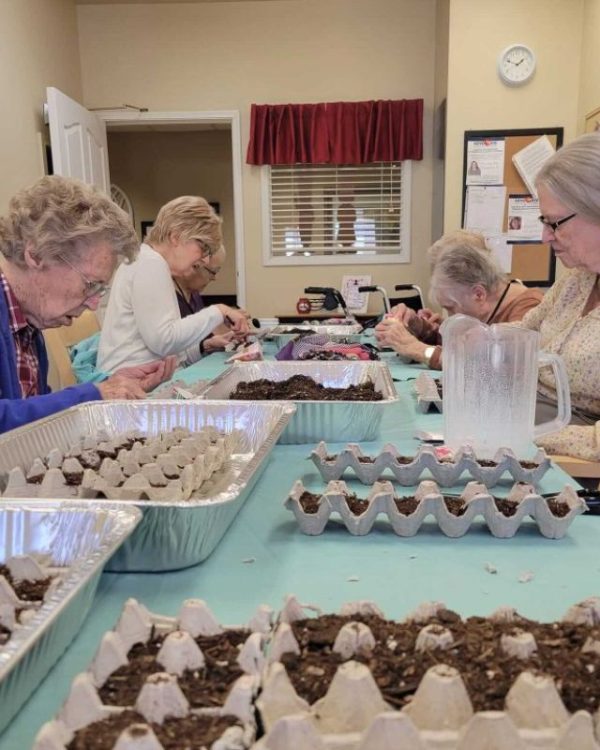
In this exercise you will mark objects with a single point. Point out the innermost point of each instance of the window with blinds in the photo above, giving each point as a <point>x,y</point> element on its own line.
<point>328,214</point>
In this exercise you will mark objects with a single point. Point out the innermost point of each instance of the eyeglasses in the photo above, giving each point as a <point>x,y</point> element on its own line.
<point>205,248</point>
<point>202,267</point>
<point>92,288</point>
<point>554,225</point>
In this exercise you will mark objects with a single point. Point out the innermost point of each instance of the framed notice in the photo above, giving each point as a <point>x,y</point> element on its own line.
<point>499,200</point>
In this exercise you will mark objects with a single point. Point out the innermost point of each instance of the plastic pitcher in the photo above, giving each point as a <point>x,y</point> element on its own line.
<point>490,376</point>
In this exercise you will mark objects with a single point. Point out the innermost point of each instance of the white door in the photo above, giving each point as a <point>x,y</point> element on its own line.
<point>78,140</point>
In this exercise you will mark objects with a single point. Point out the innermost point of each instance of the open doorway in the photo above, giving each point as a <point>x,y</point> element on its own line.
<point>156,156</point>
<point>155,160</point>
<point>152,164</point>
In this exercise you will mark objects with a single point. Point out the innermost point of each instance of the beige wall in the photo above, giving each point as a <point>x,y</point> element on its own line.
<point>476,97</point>
<point>155,167</point>
<point>211,56</point>
<point>38,48</point>
<point>589,91</point>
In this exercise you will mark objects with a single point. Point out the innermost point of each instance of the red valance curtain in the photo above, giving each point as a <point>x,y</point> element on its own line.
<point>336,133</point>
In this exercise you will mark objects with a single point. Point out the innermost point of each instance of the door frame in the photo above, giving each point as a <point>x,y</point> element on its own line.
<point>121,118</point>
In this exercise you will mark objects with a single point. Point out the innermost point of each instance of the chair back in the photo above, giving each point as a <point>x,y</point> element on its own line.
<point>58,341</point>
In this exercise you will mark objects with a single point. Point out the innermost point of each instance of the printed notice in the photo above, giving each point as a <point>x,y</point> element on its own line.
<point>484,208</point>
<point>485,161</point>
<point>356,301</point>
<point>523,219</point>
<point>501,251</point>
<point>529,160</point>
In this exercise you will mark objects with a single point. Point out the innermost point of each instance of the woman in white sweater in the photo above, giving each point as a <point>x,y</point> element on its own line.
<point>142,320</point>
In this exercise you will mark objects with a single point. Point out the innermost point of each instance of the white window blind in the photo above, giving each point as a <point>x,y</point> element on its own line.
<point>328,211</point>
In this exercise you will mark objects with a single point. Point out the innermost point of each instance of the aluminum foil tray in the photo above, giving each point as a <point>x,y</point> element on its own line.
<point>408,471</point>
<point>475,500</point>
<point>163,696</point>
<point>337,421</point>
<point>353,714</point>
<point>72,536</point>
<point>171,535</point>
<point>281,333</point>
<point>428,393</point>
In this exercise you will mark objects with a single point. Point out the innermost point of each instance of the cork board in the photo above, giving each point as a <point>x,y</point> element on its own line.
<point>532,262</point>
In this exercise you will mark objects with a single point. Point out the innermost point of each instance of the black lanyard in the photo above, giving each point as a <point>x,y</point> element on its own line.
<point>500,301</point>
<point>185,300</point>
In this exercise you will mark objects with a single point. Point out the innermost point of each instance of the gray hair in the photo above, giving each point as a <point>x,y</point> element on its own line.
<point>58,217</point>
<point>464,266</point>
<point>573,175</point>
<point>188,217</point>
<point>457,238</point>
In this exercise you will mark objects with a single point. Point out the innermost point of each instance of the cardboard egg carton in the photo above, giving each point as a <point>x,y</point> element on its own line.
<point>15,611</point>
<point>475,500</point>
<point>428,392</point>
<point>169,467</point>
<point>353,714</point>
<point>161,696</point>
<point>445,470</point>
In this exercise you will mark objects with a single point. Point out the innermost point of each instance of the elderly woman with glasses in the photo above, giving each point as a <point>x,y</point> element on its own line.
<point>465,279</point>
<point>142,319</point>
<point>568,319</point>
<point>59,243</point>
<point>190,301</point>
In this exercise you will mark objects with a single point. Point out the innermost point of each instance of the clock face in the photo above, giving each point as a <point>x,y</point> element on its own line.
<point>516,64</point>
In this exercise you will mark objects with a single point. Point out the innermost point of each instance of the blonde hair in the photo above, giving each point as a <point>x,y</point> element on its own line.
<point>457,238</point>
<point>188,217</point>
<point>572,174</point>
<point>58,217</point>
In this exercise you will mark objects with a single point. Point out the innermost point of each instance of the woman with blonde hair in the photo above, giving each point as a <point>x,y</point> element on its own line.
<point>142,319</point>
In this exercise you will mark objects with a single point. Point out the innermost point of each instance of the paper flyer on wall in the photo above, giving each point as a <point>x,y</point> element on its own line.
<point>485,161</point>
<point>523,219</point>
<point>529,160</point>
<point>355,300</point>
<point>501,250</point>
<point>484,208</point>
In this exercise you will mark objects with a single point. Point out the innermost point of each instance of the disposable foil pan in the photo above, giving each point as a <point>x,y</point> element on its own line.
<point>77,537</point>
<point>177,534</point>
<point>282,334</point>
<point>337,421</point>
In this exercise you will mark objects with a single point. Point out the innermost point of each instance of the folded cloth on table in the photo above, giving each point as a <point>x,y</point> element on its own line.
<point>320,344</point>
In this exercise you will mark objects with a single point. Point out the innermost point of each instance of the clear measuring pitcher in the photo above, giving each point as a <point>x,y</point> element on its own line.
<point>490,376</point>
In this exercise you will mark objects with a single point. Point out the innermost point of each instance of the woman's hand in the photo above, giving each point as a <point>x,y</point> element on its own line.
<point>392,332</point>
<point>236,320</point>
<point>217,342</point>
<point>151,374</point>
<point>117,387</point>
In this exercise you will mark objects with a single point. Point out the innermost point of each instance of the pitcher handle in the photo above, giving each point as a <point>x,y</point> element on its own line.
<point>563,395</point>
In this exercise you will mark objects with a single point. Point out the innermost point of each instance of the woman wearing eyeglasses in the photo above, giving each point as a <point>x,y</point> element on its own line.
<point>60,242</point>
<point>568,319</point>
<point>142,319</point>
<point>189,299</point>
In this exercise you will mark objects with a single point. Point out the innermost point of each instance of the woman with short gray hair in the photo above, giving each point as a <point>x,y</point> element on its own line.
<point>465,279</point>
<point>59,242</point>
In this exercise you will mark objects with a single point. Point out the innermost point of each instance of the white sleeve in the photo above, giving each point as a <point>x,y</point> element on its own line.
<point>157,315</point>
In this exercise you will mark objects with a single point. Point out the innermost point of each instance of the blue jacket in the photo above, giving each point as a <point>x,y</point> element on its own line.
<point>16,411</point>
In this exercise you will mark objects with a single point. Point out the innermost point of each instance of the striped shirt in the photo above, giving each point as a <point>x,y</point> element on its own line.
<point>28,367</point>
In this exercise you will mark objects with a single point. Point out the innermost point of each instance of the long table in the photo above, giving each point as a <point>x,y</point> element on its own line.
<point>263,557</point>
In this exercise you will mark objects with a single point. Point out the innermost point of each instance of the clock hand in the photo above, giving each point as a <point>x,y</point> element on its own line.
<point>520,61</point>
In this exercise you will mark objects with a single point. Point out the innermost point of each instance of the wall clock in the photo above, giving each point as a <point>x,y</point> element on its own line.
<point>516,64</point>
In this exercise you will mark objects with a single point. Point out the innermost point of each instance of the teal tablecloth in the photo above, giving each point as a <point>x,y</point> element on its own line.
<point>263,557</point>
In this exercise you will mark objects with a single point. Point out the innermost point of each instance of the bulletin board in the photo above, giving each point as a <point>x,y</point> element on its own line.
<point>525,258</point>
